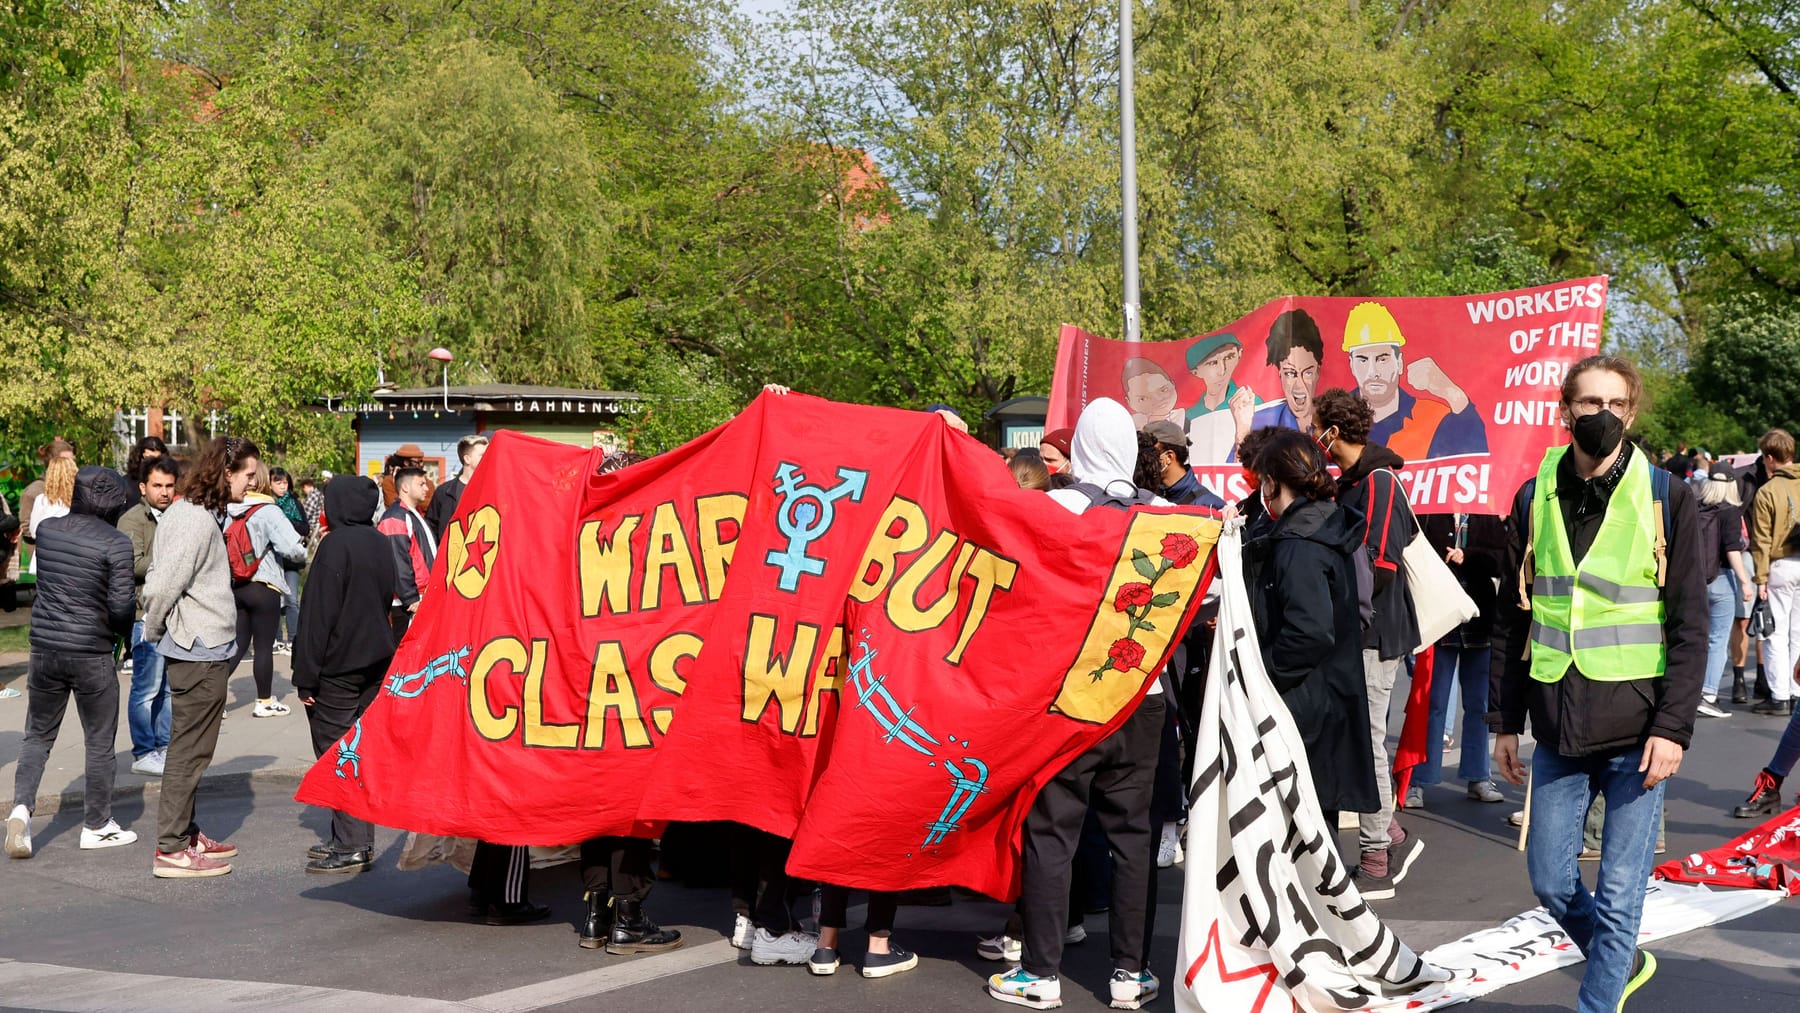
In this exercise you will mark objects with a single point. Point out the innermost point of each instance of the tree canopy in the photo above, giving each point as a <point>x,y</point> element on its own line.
<point>250,205</point>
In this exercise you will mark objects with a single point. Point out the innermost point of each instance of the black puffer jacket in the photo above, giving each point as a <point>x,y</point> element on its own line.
<point>85,592</point>
<point>1302,589</point>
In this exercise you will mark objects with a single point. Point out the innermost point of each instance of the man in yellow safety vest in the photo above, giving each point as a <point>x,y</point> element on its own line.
<point>1605,652</point>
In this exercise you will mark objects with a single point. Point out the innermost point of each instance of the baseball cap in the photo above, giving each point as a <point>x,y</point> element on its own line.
<point>1722,473</point>
<point>1203,348</point>
<point>1166,433</point>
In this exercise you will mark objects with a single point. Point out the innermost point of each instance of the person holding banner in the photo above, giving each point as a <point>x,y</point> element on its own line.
<point>1116,776</point>
<point>1368,488</point>
<point>1310,629</point>
<point>1601,640</point>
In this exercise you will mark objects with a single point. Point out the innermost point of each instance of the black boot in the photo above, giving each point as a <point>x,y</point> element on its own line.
<point>634,933</point>
<point>1774,708</point>
<point>1740,693</point>
<point>598,922</point>
<point>516,914</point>
<point>1765,798</point>
<point>340,862</point>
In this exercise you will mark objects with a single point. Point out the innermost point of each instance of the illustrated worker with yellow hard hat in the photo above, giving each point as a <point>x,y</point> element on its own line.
<point>1413,427</point>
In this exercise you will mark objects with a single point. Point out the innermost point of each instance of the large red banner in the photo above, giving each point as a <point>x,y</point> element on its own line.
<point>1465,388</point>
<point>841,624</point>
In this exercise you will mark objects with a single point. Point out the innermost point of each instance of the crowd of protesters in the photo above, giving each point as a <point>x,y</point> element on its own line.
<point>1612,601</point>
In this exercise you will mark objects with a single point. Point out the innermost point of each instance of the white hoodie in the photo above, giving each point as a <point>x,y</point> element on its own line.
<point>1104,453</point>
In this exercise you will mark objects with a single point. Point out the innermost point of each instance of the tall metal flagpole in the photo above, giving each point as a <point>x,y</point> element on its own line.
<point>1128,170</point>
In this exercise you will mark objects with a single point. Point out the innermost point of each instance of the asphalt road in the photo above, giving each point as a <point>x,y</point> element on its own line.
<point>93,930</point>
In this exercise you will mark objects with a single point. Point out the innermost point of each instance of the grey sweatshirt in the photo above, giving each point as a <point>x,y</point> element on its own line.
<point>188,589</point>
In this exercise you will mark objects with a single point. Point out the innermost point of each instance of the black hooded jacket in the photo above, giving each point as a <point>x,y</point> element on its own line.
<point>85,592</point>
<point>1302,587</point>
<point>344,612</point>
<point>1370,492</point>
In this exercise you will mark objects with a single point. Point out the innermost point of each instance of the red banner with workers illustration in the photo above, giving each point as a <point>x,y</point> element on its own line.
<point>1466,388</point>
<point>837,623</point>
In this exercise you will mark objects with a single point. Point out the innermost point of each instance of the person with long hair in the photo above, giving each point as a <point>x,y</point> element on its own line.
<point>1302,581</point>
<point>54,501</point>
<point>282,485</point>
<point>189,612</point>
<point>261,598</point>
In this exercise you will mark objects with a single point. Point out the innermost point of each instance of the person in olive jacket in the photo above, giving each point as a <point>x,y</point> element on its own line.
<point>345,645</point>
<point>1302,585</point>
<point>86,603</point>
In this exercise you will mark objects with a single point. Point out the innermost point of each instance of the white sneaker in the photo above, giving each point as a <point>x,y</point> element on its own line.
<point>1485,791</point>
<point>787,948</point>
<point>151,763</point>
<point>18,833</point>
<point>108,836</point>
<point>1001,947</point>
<point>270,708</point>
<point>742,931</point>
<point>1415,797</point>
<point>1710,709</point>
<point>1132,991</point>
<point>1169,851</point>
<point>1075,934</point>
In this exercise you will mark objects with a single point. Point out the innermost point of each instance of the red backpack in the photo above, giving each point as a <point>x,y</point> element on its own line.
<point>240,548</point>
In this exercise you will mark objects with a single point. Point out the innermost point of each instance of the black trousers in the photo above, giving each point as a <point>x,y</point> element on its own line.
<point>834,908</point>
<point>53,678</point>
<point>258,620</point>
<point>500,873</point>
<point>760,887</point>
<point>1117,776</point>
<point>617,867</point>
<point>340,699</point>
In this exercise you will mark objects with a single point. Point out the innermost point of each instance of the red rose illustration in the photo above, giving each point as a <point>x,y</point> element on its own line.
<point>1132,596</point>
<point>1179,549</point>
<point>1126,654</point>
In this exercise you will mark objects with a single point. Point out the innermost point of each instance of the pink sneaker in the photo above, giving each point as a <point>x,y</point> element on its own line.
<point>213,849</point>
<point>189,864</point>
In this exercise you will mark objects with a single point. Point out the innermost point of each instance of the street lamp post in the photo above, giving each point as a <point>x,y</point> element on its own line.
<point>1128,170</point>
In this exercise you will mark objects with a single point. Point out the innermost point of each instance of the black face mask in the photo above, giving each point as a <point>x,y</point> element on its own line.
<point>1598,434</point>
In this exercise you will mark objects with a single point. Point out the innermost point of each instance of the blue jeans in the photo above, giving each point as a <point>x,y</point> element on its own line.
<point>147,709</point>
<point>1604,923</point>
<point>1451,666</point>
<point>1721,609</point>
<point>290,608</point>
<point>1787,751</point>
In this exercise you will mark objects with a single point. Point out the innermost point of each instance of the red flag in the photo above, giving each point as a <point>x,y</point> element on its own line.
<point>1416,730</point>
<point>841,624</point>
<point>1767,858</point>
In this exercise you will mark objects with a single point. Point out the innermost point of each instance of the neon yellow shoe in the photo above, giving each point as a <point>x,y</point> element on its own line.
<point>1641,972</point>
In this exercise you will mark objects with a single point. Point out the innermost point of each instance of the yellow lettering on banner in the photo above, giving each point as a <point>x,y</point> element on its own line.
<point>902,603</point>
<point>715,550</point>
<point>506,651</point>
<point>827,677</point>
<point>883,547</point>
<point>606,567</point>
<point>669,549</point>
<point>538,732</point>
<point>610,689</point>
<point>768,678</point>
<point>664,659</point>
<point>991,572</point>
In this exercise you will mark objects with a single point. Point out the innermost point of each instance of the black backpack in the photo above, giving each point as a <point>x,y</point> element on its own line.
<point>1100,497</point>
<point>1711,559</point>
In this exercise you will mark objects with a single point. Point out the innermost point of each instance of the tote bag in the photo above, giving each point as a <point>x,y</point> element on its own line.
<point>1439,602</point>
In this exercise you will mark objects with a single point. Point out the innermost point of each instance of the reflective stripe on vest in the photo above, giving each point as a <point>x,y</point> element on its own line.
<point>1605,616</point>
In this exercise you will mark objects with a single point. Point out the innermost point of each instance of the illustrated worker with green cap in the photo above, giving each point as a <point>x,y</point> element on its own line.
<point>1223,415</point>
